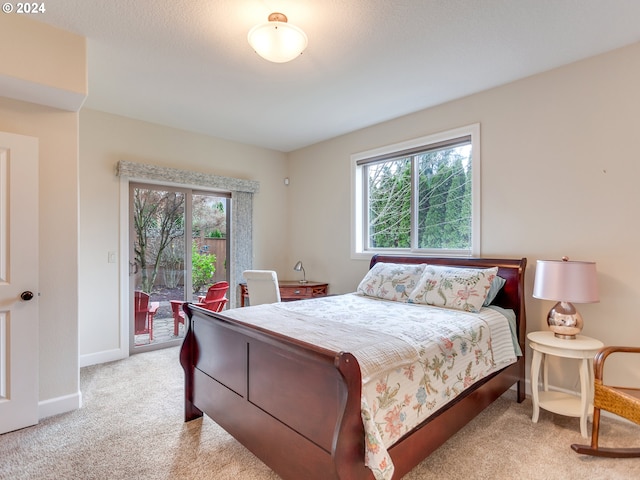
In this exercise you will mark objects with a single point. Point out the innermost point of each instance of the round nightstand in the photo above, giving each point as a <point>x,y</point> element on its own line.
<point>582,348</point>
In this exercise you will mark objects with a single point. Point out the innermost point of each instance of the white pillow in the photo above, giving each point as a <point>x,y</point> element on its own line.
<point>391,281</point>
<point>451,287</point>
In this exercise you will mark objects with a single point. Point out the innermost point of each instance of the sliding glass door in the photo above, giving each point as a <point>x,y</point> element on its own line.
<point>178,248</point>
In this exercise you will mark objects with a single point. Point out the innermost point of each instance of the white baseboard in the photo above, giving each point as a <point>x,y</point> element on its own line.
<point>103,357</point>
<point>55,406</point>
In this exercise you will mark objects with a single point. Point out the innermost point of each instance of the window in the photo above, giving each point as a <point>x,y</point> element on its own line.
<point>419,196</point>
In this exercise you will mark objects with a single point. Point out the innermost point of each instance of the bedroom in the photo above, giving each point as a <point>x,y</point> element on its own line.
<point>574,166</point>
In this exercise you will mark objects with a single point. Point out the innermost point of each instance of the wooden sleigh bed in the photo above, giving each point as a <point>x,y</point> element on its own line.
<point>242,376</point>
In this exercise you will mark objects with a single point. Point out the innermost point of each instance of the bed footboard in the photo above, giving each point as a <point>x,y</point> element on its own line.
<point>279,399</point>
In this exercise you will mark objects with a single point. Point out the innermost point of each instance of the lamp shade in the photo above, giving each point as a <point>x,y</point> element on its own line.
<point>277,40</point>
<point>566,281</point>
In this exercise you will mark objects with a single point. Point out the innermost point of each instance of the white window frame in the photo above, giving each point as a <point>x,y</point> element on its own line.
<point>359,202</point>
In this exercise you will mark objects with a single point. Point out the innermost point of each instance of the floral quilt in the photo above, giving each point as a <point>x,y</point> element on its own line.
<point>414,358</point>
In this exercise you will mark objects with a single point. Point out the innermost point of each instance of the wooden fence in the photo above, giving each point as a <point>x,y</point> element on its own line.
<point>215,246</point>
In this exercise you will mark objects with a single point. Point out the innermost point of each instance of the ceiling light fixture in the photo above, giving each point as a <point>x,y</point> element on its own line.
<point>277,40</point>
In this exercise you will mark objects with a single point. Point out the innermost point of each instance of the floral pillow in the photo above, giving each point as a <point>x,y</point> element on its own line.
<point>459,288</point>
<point>391,281</point>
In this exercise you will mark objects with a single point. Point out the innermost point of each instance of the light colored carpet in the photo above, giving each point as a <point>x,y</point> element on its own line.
<point>131,427</point>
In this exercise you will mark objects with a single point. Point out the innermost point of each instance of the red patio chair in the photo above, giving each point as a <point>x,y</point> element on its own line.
<point>144,311</point>
<point>178,315</point>
<point>215,299</point>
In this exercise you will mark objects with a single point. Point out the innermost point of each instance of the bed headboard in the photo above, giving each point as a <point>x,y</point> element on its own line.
<point>512,270</point>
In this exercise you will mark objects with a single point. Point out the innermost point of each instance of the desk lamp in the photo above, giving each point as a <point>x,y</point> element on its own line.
<point>299,267</point>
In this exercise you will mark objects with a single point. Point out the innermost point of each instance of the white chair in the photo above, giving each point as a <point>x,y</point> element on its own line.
<point>262,286</point>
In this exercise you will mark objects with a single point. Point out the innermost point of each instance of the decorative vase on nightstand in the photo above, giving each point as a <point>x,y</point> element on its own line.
<point>564,320</point>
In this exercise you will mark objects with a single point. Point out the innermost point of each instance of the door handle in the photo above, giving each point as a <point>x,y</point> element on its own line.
<point>26,295</point>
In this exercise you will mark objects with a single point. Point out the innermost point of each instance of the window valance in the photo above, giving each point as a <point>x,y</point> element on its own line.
<point>184,177</point>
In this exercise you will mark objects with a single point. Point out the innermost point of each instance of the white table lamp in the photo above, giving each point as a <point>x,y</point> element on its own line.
<point>566,282</point>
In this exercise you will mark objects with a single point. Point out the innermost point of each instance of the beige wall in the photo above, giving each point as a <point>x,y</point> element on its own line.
<point>57,132</point>
<point>560,170</point>
<point>104,140</point>
<point>42,64</point>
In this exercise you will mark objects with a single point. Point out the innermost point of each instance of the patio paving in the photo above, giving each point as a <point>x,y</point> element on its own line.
<point>162,332</point>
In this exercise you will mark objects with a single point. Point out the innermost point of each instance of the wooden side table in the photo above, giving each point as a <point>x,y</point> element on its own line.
<point>582,348</point>
<point>292,290</point>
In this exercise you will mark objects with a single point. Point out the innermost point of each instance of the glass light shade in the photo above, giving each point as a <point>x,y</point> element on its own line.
<point>277,40</point>
<point>566,282</point>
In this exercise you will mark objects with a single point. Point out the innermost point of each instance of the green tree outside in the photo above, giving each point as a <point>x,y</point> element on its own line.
<point>203,267</point>
<point>443,200</point>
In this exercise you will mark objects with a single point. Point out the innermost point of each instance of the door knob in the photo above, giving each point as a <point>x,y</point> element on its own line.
<point>26,295</point>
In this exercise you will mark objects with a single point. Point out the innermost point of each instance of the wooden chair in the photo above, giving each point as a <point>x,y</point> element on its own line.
<point>262,286</point>
<point>144,311</point>
<point>178,315</point>
<point>215,299</point>
<point>215,292</point>
<point>622,401</point>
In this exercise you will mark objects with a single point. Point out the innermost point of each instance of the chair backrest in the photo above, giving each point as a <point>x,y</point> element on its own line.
<point>262,286</point>
<point>141,301</point>
<point>141,310</point>
<point>217,291</point>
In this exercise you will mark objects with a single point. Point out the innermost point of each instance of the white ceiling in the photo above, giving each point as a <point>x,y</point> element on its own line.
<point>187,63</point>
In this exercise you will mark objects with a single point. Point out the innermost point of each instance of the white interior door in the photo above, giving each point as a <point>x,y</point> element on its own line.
<point>18,281</point>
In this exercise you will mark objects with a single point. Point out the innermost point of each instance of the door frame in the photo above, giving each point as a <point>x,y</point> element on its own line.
<point>130,257</point>
<point>125,289</point>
